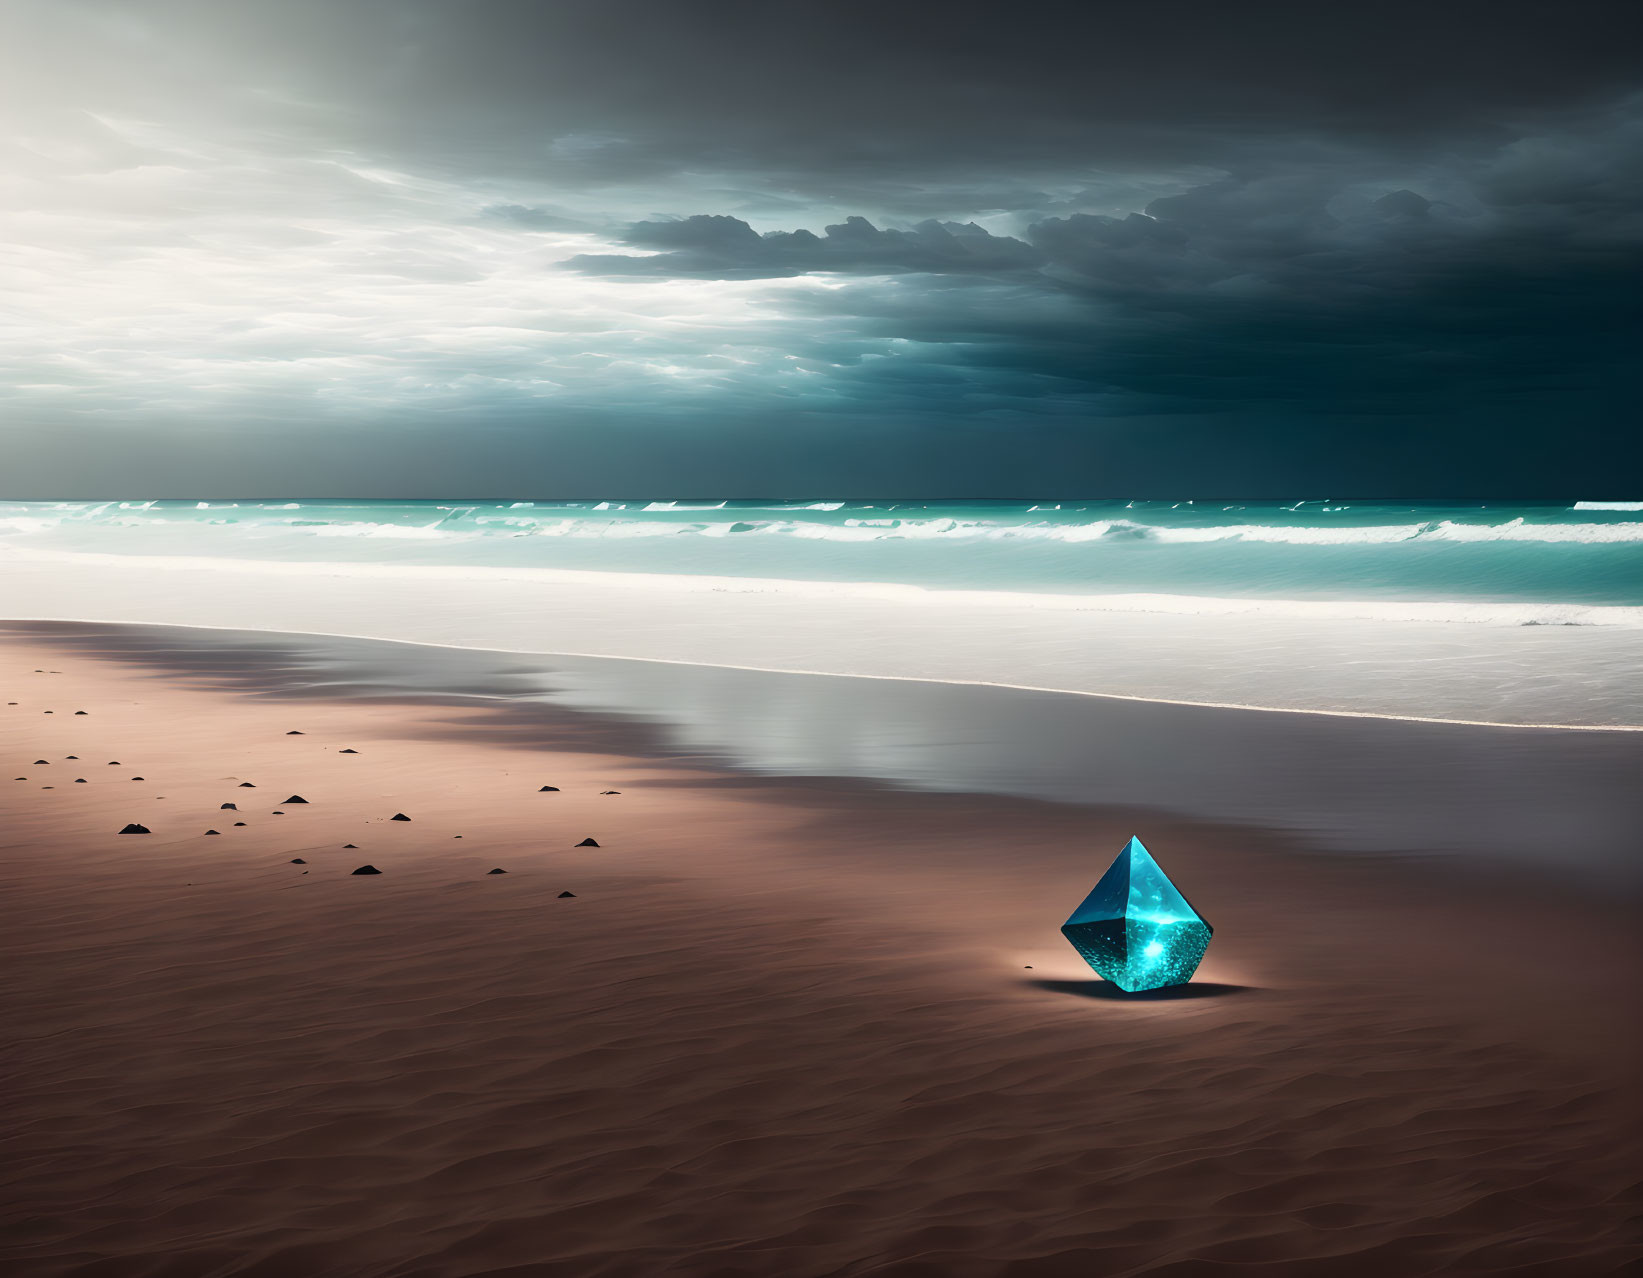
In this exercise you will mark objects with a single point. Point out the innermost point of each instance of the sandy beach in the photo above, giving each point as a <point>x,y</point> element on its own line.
<point>784,1025</point>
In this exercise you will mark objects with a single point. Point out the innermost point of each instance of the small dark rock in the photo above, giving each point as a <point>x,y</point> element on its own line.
<point>79,712</point>
<point>277,812</point>
<point>297,860</point>
<point>296,734</point>
<point>563,895</point>
<point>610,792</point>
<point>347,751</point>
<point>79,780</point>
<point>296,798</point>
<point>346,846</point>
<point>139,778</point>
<point>399,816</point>
<point>237,824</point>
<point>113,763</point>
<point>246,785</point>
<point>40,761</point>
<point>134,828</point>
<point>549,789</point>
<point>496,871</point>
<point>367,869</point>
<point>229,807</point>
<point>588,843</point>
<point>210,832</point>
<point>71,756</point>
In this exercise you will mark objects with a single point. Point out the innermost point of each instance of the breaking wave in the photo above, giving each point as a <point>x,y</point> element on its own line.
<point>598,523</point>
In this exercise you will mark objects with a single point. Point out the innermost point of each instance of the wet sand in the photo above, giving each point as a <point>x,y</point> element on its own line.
<point>783,1027</point>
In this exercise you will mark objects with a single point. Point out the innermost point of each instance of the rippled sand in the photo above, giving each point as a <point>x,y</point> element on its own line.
<point>781,1028</point>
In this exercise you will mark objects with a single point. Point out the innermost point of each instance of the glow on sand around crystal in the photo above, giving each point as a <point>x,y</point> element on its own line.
<point>1135,928</point>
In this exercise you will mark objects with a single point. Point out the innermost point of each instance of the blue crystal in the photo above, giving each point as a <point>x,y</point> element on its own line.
<point>1136,929</point>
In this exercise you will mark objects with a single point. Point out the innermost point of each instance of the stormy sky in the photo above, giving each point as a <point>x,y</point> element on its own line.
<point>692,247</point>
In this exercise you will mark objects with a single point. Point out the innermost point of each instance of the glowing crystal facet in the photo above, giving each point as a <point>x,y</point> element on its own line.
<point>1135,928</point>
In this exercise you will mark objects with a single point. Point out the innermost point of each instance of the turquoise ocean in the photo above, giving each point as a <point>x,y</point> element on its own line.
<point>1514,613</point>
<point>1572,559</point>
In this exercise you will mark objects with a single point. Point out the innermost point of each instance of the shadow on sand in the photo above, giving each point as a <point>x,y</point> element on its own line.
<point>1107,990</point>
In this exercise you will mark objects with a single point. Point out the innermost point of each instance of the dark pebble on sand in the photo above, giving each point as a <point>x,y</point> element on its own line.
<point>346,846</point>
<point>610,792</point>
<point>79,780</point>
<point>563,895</point>
<point>139,778</point>
<point>229,807</point>
<point>347,751</point>
<point>237,824</point>
<point>113,763</point>
<point>71,756</point>
<point>296,798</point>
<point>134,828</point>
<point>297,860</point>
<point>296,734</point>
<point>588,843</point>
<point>399,816</point>
<point>367,869</point>
<point>79,712</point>
<point>210,832</point>
<point>277,812</point>
<point>496,871</point>
<point>246,785</point>
<point>37,762</point>
<point>549,789</point>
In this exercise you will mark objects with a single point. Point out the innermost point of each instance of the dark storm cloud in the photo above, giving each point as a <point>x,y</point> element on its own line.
<point>721,247</point>
<point>1509,284</point>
